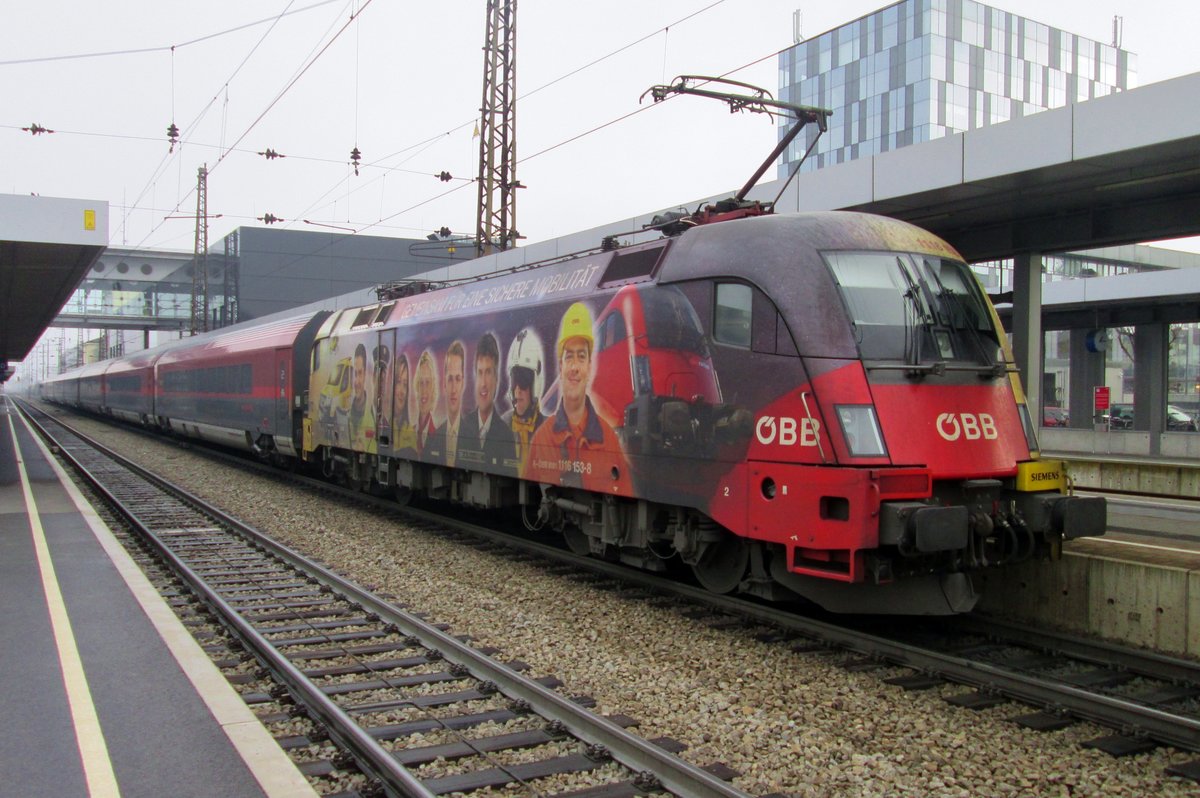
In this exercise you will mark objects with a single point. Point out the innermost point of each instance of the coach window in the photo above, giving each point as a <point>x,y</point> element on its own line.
<point>732,314</point>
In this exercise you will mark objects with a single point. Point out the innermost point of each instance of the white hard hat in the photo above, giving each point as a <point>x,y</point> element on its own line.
<point>526,353</point>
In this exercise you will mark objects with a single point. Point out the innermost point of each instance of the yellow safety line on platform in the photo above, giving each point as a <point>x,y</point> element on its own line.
<point>97,767</point>
<point>275,773</point>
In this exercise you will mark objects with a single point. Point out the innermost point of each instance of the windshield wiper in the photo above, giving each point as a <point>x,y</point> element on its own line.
<point>962,318</point>
<point>916,319</point>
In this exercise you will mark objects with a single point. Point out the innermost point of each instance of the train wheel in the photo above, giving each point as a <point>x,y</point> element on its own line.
<point>577,541</point>
<point>722,565</point>
<point>403,495</point>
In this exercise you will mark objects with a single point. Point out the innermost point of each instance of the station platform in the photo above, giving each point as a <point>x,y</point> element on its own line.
<point>1172,476</point>
<point>103,692</point>
<point>1138,584</point>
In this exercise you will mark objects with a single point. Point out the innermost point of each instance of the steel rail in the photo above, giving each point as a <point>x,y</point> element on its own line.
<point>641,756</point>
<point>1164,727</point>
<point>371,757</point>
<point>1144,663</point>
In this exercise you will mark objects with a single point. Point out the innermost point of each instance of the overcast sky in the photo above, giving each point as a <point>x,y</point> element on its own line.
<point>403,84</point>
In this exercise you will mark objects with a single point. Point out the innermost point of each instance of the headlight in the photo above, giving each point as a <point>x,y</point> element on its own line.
<point>860,428</point>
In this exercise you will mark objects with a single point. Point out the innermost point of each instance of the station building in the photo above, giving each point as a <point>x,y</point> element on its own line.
<point>919,70</point>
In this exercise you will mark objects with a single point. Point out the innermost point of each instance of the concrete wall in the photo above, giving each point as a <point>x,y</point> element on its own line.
<point>1079,443</point>
<point>1141,604</point>
<point>1154,477</point>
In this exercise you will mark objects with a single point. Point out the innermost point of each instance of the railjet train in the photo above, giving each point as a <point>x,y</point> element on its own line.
<point>819,405</point>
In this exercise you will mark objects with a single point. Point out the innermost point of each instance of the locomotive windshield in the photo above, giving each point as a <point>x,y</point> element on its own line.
<point>915,308</point>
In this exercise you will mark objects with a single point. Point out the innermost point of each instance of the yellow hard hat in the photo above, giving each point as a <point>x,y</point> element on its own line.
<point>576,323</point>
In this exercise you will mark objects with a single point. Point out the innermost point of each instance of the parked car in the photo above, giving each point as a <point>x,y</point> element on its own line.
<point>1179,421</point>
<point>1120,416</point>
<point>1055,417</point>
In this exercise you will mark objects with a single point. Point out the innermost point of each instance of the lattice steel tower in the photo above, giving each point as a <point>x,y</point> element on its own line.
<point>496,226</point>
<point>200,259</point>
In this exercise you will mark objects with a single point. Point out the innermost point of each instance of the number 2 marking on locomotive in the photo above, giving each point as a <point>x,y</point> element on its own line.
<point>726,490</point>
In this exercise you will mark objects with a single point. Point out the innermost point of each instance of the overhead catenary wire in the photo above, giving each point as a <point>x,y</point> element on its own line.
<point>639,110</point>
<point>421,146</point>
<point>410,152</point>
<point>571,73</point>
<point>371,225</point>
<point>192,125</point>
<point>242,150</point>
<point>296,77</point>
<point>291,83</point>
<point>161,48</point>
<point>569,140</point>
<point>366,226</point>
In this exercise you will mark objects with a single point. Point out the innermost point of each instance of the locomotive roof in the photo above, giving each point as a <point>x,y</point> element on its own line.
<point>780,254</point>
<point>568,278</point>
<point>762,250</point>
<point>766,247</point>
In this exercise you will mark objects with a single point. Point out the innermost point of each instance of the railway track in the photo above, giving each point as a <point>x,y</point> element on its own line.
<point>1144,698</point>
<point>1051,679</point>
<point>370,677</point>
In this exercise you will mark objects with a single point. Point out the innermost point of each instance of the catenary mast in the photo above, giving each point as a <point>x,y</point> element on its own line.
<point>496,227</point>
<point>200,262</point>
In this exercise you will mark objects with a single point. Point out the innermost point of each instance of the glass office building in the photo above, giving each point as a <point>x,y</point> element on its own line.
<point>919,70</point>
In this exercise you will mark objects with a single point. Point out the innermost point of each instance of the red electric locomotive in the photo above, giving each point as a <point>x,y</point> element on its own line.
<point>816,404</point>
<point>819,405</point>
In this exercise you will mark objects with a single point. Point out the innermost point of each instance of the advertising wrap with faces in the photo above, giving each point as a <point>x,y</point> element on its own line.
<point>560,397</point>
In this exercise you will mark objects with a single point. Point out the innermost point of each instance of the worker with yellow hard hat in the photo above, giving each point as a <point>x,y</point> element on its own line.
<point>576,323</point>
<point>576,446</point>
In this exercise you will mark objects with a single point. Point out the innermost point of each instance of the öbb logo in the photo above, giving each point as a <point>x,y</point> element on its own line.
<point>787,431</point>
<point>970,426</point>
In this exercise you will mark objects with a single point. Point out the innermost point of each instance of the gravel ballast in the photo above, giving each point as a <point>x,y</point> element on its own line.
<point>790,723</point>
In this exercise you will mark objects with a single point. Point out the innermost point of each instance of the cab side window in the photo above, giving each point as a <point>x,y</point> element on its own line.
<point>745,317</point>
<point>732,314</point>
